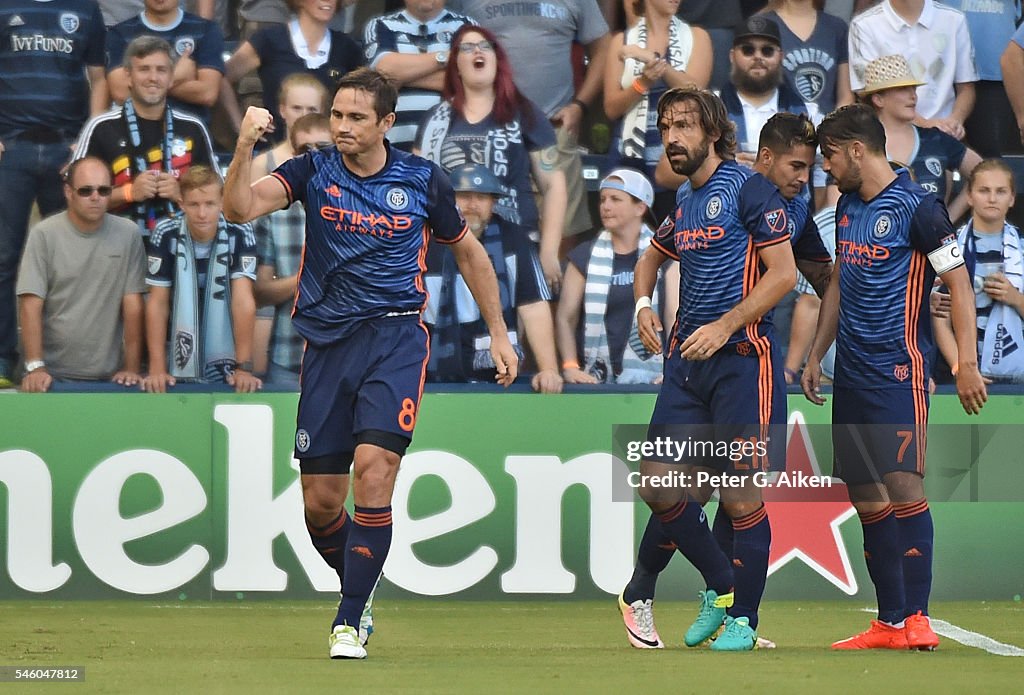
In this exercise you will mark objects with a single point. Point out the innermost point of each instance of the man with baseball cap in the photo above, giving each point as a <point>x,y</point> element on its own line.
<point>460,346</point>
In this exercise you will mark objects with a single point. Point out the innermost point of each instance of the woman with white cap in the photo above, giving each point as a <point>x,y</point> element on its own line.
<point>890,88</point>
<point>599,280</point>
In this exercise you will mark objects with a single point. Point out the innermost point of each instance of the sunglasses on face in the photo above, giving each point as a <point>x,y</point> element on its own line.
<point>310,146</point>
<point>749,49</point>
<point>485,46</point>
<point>87,191</point>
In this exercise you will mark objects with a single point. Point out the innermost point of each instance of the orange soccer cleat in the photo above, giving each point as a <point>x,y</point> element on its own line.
<point>878,636</point>
<point>920,635</point>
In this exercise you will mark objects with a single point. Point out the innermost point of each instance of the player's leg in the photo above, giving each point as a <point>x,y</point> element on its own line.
<point>864,452</point>
<point>916,536</point>
<point>323,496</point>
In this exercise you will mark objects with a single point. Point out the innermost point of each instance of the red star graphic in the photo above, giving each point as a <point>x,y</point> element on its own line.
<point>805,521</point>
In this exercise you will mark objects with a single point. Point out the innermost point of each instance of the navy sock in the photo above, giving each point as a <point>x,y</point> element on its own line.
<point>883,553</point>
<point>652,557</point>
<point>721,529</point>
<point>752,540</point>
<point>686,525</point>
<point>916,541</point>
<point>368,544</point>
<point>330,541</point>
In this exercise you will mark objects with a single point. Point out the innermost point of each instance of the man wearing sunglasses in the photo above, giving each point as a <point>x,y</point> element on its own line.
<point>80,289</point>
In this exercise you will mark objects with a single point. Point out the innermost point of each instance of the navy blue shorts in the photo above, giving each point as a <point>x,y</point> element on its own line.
<point>365,388</point>
<point>737,394</point>
<point>878,431</point>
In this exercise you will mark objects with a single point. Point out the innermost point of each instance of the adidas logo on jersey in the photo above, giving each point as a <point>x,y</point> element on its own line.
<point>16,21</point>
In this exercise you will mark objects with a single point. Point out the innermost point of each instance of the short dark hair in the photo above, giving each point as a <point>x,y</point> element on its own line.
<point>784,131</point>
<point>849,123</point>
<point>68,175</point>
<point>383,90</point>
<point>145,45</point>
<point>713,116</point>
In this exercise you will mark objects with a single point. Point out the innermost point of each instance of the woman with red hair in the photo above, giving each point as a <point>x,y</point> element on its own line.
<point>483,119</point>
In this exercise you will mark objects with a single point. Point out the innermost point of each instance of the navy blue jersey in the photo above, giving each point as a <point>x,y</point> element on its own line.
<point>715,235</point>
<point>803,232</point>
<point>189,35</point>
<point>885,334</point>
<point>934,154</point>
<point>44,48</point>
<point>366,238</point>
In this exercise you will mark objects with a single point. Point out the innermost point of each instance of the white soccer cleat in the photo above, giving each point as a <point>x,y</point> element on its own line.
<point>639,620</point>
<point>344,642</point>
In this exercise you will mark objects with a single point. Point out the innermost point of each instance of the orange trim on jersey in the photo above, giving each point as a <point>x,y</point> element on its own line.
<point>421,261</point>
<point>762,346</point>
<point>772,242</point>
<point>423,369</point>
<point>287,188</point>
<point>671,254</point>
<point>912,314</point>
<point>465,230</point>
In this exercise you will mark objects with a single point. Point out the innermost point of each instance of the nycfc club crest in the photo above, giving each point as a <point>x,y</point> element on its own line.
<point>933,165</point>
<point>883,225</point>
<point>901,372</point>
<point>397,199</point>
<point>68,22</point>
<point>184,346</point>
<point>714,208</point>
<point>302,441</point>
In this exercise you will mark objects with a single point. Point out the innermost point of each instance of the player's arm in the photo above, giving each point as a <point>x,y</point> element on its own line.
<point>243,324</point>
<point>824,336</point>
<point>816,272</point>
<point>778,279</point>
<point>540,332</point>
<point>158,309</point>
<point>479,275</point>
<point>945,340</point>
<point>970,386</point>
<point>244,201</point>
<point>645,279</point>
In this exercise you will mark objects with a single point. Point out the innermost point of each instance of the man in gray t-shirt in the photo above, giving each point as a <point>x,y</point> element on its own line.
<point>80,288</point>
<point>538,37</point>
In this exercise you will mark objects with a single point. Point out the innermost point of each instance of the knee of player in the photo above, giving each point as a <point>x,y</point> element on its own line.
<point>322,506</point>
<point>904,487</point>
<point>660,499</point>
<point>739,508</point>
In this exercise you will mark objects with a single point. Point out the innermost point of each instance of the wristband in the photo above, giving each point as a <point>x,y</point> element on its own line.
<point>638,87</point>
<point>642,303</point>
<point>570,364</point>
<point>583,107</point>
<point>244,366</point>
<point>126,191</point>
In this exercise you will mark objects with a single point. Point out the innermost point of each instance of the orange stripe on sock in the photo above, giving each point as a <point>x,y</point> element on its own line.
<point>911,508</point>
<point>673,513</point>
<point>335,525</point>
<point>750,520</point>
<point>866,519</point>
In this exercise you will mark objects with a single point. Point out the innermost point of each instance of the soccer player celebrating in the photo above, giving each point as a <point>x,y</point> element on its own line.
<point>730,235</point>
<point>892,238</point>
<point>360,295</point>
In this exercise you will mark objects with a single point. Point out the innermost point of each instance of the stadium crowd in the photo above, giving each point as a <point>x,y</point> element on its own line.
<point>133,275</point>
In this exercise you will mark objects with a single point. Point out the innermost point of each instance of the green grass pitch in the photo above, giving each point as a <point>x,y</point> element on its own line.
<point>442,646</point>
